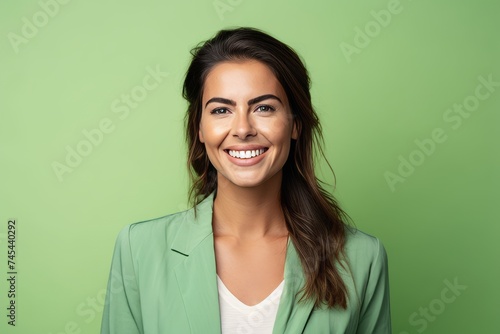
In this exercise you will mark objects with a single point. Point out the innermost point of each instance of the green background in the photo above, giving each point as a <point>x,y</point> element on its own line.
<point>440,224</point>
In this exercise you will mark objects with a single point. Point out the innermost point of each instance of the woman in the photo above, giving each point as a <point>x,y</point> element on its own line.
<point>265,249</point>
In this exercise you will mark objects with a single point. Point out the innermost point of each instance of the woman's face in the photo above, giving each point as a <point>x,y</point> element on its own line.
<point>246,123</point>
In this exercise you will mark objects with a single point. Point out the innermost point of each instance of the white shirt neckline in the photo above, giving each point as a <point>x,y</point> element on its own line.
<point>237,317</point>
<point>235,302</point>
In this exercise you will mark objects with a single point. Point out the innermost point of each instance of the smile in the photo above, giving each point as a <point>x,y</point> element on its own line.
<point>246,154</point>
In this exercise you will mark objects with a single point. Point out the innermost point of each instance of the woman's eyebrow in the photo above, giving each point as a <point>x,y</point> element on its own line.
<point>262,98</point>
<point>221,100</point>
<point>250,102</point>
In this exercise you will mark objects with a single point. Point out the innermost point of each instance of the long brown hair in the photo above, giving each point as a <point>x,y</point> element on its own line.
<point>315,221</point>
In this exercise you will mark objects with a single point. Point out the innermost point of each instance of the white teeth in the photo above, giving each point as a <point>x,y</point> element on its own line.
<point>245,154</point>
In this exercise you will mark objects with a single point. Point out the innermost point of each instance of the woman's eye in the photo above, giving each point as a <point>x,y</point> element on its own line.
<point>265,108</point>
<point>219,111</point>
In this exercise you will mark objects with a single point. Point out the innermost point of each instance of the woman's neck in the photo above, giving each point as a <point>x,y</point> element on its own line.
<point>249,213</point>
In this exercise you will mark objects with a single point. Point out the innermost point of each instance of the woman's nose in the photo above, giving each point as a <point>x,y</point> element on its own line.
<point>243,126</point>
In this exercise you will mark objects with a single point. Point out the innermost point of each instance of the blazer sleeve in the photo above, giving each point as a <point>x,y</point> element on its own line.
<point>122,311</point>
<point>375,309</point>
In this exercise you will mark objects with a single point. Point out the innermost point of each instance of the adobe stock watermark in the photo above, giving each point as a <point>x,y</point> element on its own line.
<point>91,308</point>
<point>121,108</point>
<point>381,19</point>
<point>223,6</point>
<point>454,117</point>
<point>421,318</point>
<point>31,26</point>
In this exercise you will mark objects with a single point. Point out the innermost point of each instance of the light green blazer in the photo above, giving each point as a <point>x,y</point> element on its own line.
<point>163,280</point>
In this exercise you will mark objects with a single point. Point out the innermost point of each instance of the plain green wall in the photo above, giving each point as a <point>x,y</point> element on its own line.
<point>376,95</point>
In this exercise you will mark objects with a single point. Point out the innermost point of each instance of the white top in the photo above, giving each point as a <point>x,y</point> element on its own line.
<point>239,318</point>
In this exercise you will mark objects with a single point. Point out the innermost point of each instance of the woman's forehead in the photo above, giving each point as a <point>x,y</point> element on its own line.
<point>241,80</point>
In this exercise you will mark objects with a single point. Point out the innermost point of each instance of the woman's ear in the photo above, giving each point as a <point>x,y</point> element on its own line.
<point>295,130</point>
<point>200,136</point>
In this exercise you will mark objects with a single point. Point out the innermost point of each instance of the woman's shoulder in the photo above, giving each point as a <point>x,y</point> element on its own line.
<point>165,228</point>
<point>151,233</point>
<point>163,223</point>
<point>363,249</point>
<point>358,238</point>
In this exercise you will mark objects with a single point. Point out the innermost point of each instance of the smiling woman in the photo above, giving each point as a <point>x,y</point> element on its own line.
<point>265,249</point>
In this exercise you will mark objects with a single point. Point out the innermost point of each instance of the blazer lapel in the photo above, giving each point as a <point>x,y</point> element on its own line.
<point>196,275</point>
<point>292,316</point>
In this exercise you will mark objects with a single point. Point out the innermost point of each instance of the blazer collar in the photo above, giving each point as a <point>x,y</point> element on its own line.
<point>196,274</point>
<point>196,227</point>
<point>197,277</point>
